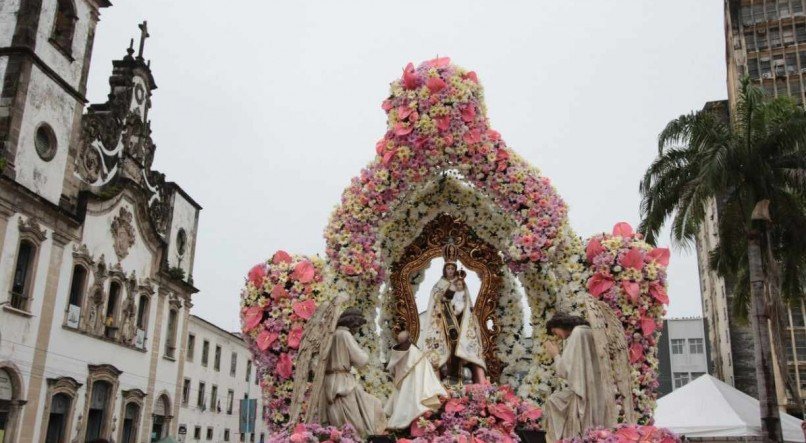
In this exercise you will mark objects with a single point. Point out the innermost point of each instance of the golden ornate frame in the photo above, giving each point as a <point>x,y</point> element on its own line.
<point>478,255</point>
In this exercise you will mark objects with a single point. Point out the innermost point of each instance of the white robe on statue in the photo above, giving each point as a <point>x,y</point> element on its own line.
<point>417,388</point>
<point>585,403</point>
<point>433,337</point>
<point>344,401</point>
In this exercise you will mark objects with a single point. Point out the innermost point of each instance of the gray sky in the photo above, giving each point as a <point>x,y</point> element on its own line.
<point>265,110</point>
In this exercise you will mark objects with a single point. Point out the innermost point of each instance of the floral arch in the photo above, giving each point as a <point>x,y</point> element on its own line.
<point>439,155</point>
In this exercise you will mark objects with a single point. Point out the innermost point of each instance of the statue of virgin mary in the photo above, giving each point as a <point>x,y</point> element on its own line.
<point>450,334</point>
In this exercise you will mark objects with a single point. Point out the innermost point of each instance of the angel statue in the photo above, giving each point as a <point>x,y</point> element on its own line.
<point>450,334</point>
<point>595,365</point>
<point>327,353</point>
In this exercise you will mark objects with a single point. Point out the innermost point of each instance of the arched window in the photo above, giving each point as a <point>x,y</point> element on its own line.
<point>142,312</point>
<point>110,320</point>
<point>64,25</point>
<point>170,339</point>
<point>98,410</point>
<point>162,418</point>
<point>78,286</point>
<point>10,404</point>
<point>23,272</point>
<point>131,419</point>
<point>57,419</point>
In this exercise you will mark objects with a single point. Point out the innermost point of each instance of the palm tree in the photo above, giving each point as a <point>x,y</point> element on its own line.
<point>753,166</point>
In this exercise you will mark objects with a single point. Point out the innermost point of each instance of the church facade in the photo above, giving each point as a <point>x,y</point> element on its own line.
<point>96,247</point>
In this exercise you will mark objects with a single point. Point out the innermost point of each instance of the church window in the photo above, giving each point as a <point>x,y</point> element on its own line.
<point>64,25</point>
<point>142,312</point>
<point>45,142</point>
<point>57,418</point>
<point>98,409</point>
<point>205,353</point>
<point>191,347</point>
<point>677,345</point>
<point>23,276</point>
<point>200,398</point>
<point>170,340</point>
<point>217,359</point>
<point>78,285</point>
<point>111,310</point>
<point>233,364</point>
<point>209,433</point>
<point>186,391</point>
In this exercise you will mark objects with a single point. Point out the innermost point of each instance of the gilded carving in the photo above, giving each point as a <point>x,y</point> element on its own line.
<point>478,255</point>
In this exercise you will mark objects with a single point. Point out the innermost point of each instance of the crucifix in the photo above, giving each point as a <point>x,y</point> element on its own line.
<point>143,36</point>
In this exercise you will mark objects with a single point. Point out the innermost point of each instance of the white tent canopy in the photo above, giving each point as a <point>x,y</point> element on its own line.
<point>707,407</point>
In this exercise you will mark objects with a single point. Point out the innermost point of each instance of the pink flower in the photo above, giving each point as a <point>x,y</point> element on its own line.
<point>265,339</point>
<point>453,405</point>
<point>593,249</point>
<point>295,337</point>
<point>415,430</point>
<point>636,352</point>
<point>468,112</point>
<point>304,272</point>
<point>285,366</point>
<point>472,136</point>
<point>598,284</point>
<point>410,77</point>
<point>661,255</point>
<point>622,229</point>
<point>435,84</point>
<point>472,77</point>
<point>628,434</point>
<point>304,309</point>
<point>439,62</point>
<point>251,317</point>
<point>281,257</point>
<point>257,275</point>
<point>533,413</point>
<point>632,259</point>
<point>632,289</point>
<point>444,122</point>
<point>402,129</point>
<point>658,292</point>
<point>403,112</point>
<point>503,412</point>
<point>648,325</point>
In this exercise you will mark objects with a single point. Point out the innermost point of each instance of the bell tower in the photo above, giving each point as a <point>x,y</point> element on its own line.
<point>45,52</point>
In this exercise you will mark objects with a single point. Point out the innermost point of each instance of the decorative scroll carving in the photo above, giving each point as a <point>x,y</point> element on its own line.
<point>123,233</point>
<point>31,229</point>
<point>478,255</point>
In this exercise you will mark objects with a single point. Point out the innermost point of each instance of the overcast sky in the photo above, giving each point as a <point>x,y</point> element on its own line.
<point>266,109</point>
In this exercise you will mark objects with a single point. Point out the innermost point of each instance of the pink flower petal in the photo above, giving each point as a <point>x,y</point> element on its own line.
<point>622,229</point>
<point>503,412</point>
<point>468,112</point>
<point>304,272</point>
<point>295,337</point>
<point>304,309</point>
<point>257,275</point>
<point>472,77</point>
<point>453,405</point>
<point>403,112</point>
<point>658,292</point>
<point>593,249</point>
<point>636,352</point>
<point>251,317</point>
<point>265,339</point>
<point>410,77</point>
<point>285,366</point>
<point>632,289</point>
<point>661,255</point>
<point>648,325</point>
<point>402,129</point>
<point>279,292</point>
<point>386,105</point>
<point>598,284</point>
<point>444,122</point>
<point>387,158</point>
<point>439,62</point>
<point>633,259</point>
<point>281,257</point>
<point>435,84</point>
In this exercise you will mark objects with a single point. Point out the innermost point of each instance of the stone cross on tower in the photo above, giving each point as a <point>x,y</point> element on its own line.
<point>143,36</point>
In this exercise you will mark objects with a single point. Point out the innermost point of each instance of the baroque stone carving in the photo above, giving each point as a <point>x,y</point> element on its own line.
<point>478,255</point>
<point>122,233</point>
<point>32,229</point>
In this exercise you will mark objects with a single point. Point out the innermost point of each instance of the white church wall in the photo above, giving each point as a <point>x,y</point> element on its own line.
<point>69,70</point>
<point>46,103</point>
<point>8,17</point>
<point>184,217</point>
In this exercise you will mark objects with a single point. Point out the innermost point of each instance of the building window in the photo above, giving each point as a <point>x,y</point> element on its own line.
<point>142,312</point>
<point>248,370</point>
<point>170,340</point>
<point>209,433</point>
<point>677,345</point>
<point>98,409</point>
<point>131,421</point>
<point>214,399</point>
<point>111,310</point>
<point>23,276</point>
<point>226,434</point>
<point>205,352</point>
<point>191,347</point>
<point>197,433</point>
<point>256,377</point>
<point>64,25</point>
<point>186,391</point>
<point>78,285</point>
<point>45,142</point>
<point>200,398</point>
<point>230,400</point>
<point>695,346</point>
<point>161,419</point>
<point>217,358</point>
<point>262,437</point>
<point>233,366</point>
<point>57,419</point>
<point>680,379</point>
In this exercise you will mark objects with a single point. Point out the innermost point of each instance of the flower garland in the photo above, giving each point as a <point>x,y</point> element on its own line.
<point>437,121</point>
<point>630,276</point>
<point>280,295</point>
<point>313,433</point>
<point>627,434</point>
<point>486,413</point>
